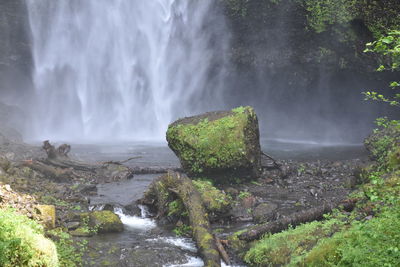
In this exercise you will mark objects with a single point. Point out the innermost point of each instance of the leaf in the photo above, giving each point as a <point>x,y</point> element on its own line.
<point>387,40</point>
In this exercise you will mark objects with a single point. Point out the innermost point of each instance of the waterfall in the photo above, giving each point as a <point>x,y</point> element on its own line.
<point>123,69</point>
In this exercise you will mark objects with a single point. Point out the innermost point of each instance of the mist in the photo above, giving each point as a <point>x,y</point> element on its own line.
<point>112,71</point>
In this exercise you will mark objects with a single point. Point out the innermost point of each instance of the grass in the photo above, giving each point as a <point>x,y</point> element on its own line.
<point>369,236</point>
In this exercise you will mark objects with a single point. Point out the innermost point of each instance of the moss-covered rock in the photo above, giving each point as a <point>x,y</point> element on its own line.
<point>215,201</point>
<point>105,221</point>
<point>217,144</point>
<point>22,242</point>
<point>47,214</point>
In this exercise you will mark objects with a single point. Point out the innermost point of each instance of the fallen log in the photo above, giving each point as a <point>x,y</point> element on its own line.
<point>56,174</point>
<point>153,170</point>
<point>295,219</point>
<point>183,188</point>
<point>120,162</point>
<point>222,251</point>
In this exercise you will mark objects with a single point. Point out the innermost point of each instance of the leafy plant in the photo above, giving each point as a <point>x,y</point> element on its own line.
<point>388,47</point>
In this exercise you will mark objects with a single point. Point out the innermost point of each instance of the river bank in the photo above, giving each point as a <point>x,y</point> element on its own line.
<point>298,185</point>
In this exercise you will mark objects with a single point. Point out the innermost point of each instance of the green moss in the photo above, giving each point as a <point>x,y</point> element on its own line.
<point>215,144</point>
<point>371,243</point>
<point>287,247</point>
<point>70,251</point>
<point>215,200</point>
<point>22,242</point>
<point>176,208</point>
<point>105,221</point>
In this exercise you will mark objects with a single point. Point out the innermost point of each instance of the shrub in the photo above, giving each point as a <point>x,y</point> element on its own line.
<point>22,242</point>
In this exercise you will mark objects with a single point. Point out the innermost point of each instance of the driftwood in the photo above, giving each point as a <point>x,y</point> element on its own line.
<point>59,167</point>
<point>295,219</point>
<point>222,251</point>
<point>50,172</point>
<point>53,153</point>
<point>154,170</point>
<point>274,162</point>
<point>119,162</point>
<point>183,188</point>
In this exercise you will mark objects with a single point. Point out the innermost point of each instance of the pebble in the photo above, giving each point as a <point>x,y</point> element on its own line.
<point>8,187</point>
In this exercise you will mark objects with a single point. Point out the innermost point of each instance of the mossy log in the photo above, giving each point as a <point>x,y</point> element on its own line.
<point>295,219</point>
<point>182,186</point>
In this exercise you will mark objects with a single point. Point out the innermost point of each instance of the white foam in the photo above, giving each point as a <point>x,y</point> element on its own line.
<point>184,243</point>
<point>192,262</point>
<point>134,221</point>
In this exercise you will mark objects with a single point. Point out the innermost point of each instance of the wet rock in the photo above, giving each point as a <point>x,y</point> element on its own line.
<point>350,182</point>
<point>81,232</point>
<point>88,189</point>
<point>218,144</point>
<point>47,214</point>
<point>265,212</point>
<point>105,221</point>
<point>72,225</point>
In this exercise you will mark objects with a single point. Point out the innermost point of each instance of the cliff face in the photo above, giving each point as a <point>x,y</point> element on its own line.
<point>301,63</point>
<point>15,55</point>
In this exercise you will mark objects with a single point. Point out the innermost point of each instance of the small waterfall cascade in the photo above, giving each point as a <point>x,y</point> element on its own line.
<point>107,70</point>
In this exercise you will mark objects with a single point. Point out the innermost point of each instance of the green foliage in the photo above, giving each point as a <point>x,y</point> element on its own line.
<point>322,13</point>
<point>388,47</point>
<point>176,208</point>
<point>22,242</point>
<point>366,243</point>
<point>244,194</point>
<point>215,200</point>
<point>290,246</point>
<point>70,251</point>
<point>384,143</point>
<point>377,15</point>
<point>183,230</point>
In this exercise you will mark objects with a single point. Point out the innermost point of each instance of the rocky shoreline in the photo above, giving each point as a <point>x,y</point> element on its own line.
<point>279,192</point>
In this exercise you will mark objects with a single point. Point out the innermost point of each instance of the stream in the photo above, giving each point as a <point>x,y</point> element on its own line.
<point>143,242</point>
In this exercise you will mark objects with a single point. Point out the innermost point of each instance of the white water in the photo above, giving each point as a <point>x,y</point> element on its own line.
<point>123,69</point>
<point>135,222</point>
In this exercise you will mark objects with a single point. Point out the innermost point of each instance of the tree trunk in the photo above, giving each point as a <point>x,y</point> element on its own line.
<point>183,187</point>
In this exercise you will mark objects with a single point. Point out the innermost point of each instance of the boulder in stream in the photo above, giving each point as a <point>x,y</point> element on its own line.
<point>218,144</point>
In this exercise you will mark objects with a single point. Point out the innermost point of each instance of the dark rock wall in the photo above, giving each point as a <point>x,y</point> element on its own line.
<point>15,54</point>
<point>305,79</point>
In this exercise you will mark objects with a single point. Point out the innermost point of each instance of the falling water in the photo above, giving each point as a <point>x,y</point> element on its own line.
<point>123,69</point>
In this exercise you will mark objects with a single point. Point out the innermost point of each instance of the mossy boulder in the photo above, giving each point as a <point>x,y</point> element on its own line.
<point>105,221</point>
<point>90,223</point>
<point>218,144</point>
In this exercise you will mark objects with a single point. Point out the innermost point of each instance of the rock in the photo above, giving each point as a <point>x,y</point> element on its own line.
<point>218,144</point>
<point>105,221</point>
<point>81,232</point>
<point>265,212</point>
<point>8,187</point>
<point>72,225</point>
<point>47,213</point>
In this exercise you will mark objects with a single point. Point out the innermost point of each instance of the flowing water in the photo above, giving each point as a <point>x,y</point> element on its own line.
<point>123,69</point>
